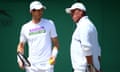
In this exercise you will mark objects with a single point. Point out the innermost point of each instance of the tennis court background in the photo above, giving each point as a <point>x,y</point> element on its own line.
<point>104,14</point>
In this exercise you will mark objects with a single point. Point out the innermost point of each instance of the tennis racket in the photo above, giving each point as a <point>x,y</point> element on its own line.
<point>23,59</point>
<point>90,68</point>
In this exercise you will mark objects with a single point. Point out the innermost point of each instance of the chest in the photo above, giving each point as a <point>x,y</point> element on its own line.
<point>76,33</point>
<point>38,31</point>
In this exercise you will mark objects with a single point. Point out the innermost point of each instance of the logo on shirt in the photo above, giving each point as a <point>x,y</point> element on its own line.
<point>37,30</point>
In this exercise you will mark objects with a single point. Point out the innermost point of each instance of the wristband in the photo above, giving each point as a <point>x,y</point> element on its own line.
<point>54,52</point>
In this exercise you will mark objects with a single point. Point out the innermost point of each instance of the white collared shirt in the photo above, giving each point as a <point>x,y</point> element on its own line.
<point>85,34</point>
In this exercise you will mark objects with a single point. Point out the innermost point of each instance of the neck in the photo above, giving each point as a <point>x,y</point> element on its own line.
<point>78,19</point>
<point>36,21</point>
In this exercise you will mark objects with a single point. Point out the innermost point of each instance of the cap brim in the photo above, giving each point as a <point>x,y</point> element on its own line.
<point>44,7</point>
<point>38,7</point>
<point>68,10</point>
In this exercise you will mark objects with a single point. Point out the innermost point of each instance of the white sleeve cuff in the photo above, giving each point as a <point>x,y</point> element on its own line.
<point>87,50</point>
<point>54,52</point>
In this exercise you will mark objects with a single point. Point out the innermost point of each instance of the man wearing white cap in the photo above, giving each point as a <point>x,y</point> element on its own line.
<point>85,49</point>
<point>39,33</point>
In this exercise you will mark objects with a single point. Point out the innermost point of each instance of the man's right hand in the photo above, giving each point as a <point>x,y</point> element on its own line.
<point>52,60</point>
<point>21,65</point>
<point>20,49</point>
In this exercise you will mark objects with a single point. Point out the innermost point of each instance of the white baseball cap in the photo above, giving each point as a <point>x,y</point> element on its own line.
<point>77,5</point>
<point>36,5</point>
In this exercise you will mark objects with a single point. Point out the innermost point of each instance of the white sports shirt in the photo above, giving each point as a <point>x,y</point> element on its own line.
<point>38,37</point>
<point>84,35</point>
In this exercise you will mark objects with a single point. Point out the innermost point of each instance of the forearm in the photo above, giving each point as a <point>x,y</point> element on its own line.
<point>55,42</point>
<point>88,53</point>
<point>89,59</point>
<point>20,48</point>
<point>55,47</point>
<point>54,50</point>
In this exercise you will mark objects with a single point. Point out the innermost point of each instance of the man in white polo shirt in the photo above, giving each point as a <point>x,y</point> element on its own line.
<point>85,49</point>
<point>40,34</point>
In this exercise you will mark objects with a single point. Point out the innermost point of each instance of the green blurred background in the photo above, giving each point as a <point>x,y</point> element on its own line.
<point>104,14</point>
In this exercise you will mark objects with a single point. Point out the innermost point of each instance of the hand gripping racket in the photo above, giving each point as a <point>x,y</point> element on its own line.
<point>23,59</point>
<point>90,68</point>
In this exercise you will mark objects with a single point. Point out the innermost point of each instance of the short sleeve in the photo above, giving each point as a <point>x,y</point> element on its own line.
<point>85,40</point>
<point>85,35</point>
<point>22,35</point>
<point>53,32</point>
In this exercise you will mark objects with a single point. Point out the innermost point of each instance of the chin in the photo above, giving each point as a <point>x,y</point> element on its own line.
<point>75,21</point>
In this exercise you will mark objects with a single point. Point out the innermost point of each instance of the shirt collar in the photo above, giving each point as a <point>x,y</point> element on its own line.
<point>82,19</point>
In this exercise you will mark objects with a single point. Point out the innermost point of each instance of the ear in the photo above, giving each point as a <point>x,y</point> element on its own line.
<point>84,13</point>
